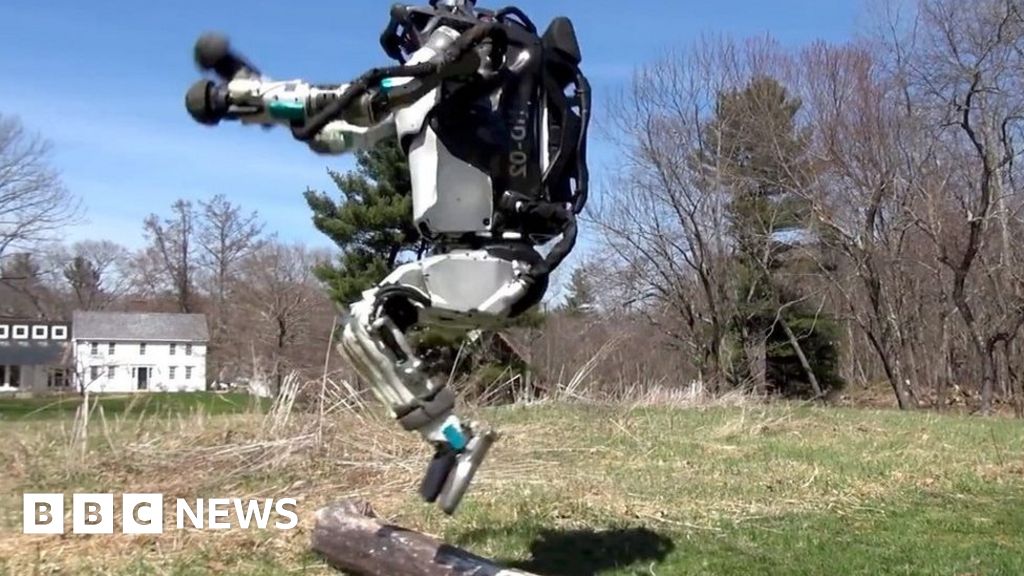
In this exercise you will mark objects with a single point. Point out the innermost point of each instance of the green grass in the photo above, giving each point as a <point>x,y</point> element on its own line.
<point>976,534</point>
<point>150,404</point>
<point>611,491</point>
<point>775,492</point>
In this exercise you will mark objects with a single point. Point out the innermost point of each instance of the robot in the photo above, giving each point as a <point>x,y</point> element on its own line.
<point>493,118</point>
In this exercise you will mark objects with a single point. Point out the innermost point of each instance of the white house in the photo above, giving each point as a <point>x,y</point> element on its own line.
<point>132,352</point>
<point>34,356</point>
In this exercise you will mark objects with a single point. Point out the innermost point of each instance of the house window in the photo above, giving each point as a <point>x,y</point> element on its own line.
<point>21,332</point>
<point>56,378</point>
<point>110,372</point>
<point>188,372</point>
<point>59,333</point>
<point>5,331</point>
<point>94,349</point>
<point>173,348</point>
<point>188,349</point>
<point>172,369</point>
<point>14,376</point>
<point>94,373</point>
<point>142,349</point>
<point>39,332</point>
<point>110,349</point>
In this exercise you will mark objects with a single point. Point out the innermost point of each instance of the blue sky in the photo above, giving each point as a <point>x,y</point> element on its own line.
<point>104,81</point>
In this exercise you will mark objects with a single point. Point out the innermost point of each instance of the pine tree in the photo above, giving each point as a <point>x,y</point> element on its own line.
<point>372,224</point>
<point>85,281</point>
<point>760,156</point>
<point>581,297</point>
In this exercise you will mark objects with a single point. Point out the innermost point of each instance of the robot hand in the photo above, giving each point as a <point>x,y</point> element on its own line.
<point>247,96</point>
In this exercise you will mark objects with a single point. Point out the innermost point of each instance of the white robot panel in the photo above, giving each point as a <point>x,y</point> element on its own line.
<point>449,196</point>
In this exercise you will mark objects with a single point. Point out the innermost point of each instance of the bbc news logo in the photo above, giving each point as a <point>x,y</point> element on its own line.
<point>146,513</point>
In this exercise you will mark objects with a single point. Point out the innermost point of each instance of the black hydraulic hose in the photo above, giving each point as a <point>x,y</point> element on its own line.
<point>501,16</point>
<point>451,58</point>
<point>336,108</point>
<point>475,35</point>
<point>559,252</point>
<point>582,190</point>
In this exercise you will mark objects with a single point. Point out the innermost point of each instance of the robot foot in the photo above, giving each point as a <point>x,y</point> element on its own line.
<point>469,461</point>
<point>450,472</point>
<point>440,466</point>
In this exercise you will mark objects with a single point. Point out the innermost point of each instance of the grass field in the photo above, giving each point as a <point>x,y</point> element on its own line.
<point>153,405</point>
<point>570,490</point>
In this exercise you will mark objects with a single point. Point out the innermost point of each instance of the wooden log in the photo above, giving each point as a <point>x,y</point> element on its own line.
<point>349,536</point>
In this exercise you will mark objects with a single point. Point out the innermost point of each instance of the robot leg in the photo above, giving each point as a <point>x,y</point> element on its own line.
<point>379,351</point>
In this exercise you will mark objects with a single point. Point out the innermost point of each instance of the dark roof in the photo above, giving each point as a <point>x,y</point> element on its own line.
<point>12,320</point>
<point>133,326</point>
<point>31,353</point>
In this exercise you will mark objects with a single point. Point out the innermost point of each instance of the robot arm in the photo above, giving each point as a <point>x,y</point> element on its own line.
<point>292,104</point>
<point>247,96</point>
<point>268,103</point>
<point>331,119</point>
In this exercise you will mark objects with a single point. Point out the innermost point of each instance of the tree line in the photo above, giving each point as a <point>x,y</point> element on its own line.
<point>787,221</point>
<point>832,213</point>
<point>267,312</point>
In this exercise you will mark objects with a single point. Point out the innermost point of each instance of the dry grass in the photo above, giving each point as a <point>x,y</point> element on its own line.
<point>560,465</point>
<point>282,453</point>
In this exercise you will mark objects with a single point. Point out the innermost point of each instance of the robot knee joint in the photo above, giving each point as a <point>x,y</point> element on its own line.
<point>381,355</point>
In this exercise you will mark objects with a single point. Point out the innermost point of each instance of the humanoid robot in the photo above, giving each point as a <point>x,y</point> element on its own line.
<point>493,118</point>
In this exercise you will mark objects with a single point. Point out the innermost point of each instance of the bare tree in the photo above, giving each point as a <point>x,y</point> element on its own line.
<point>666,223</point>
<point>916,194</point>
<point>23,290</point>
<point>225,236</point>
<point>859,197</point>
<point>281,311</point>
<point>172,251</point>
<point>34,204</point>
<point>96,272</point>
<point>677,221</point>
<point>966,75</point>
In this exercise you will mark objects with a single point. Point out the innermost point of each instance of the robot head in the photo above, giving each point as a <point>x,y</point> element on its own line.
<point>454,5</point>
<point>411,25</point>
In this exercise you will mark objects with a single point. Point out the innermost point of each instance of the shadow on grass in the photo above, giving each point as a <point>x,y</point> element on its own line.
<point>591,552</point>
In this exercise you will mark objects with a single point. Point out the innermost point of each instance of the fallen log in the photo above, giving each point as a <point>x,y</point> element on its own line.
<point>349,536</point>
